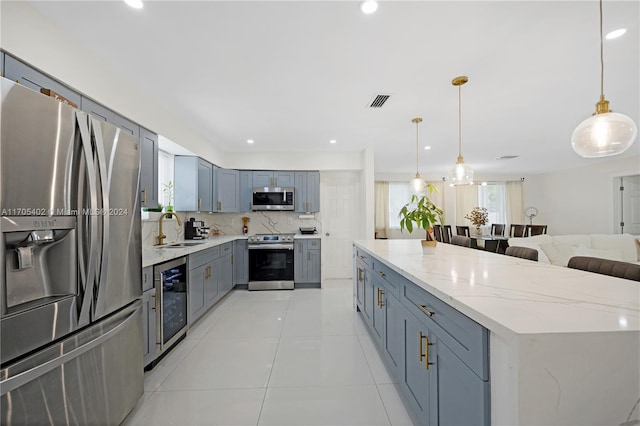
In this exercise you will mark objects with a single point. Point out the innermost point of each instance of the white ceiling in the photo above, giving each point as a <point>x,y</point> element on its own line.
<point>294,74</point>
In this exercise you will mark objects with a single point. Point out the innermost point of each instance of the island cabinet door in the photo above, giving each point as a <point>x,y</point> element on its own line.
<point>420,377</point>
<point>378,317</point>
<point>394,334</point>
<point>196,293</point>
<point>463,398</point>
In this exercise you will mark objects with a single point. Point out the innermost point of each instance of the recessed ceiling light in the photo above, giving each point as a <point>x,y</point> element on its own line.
<point>616,33</point>
<point>427,147</point>
<point>249,141</point>
<point>332,141</point>
<point>136,4</point>
<point>369,6</point>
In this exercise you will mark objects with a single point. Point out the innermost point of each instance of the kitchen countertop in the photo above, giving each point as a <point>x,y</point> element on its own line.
<point>152,255</point>
<point>510,295</point>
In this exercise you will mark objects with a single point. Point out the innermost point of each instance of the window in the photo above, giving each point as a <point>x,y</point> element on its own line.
<point>399,195</point>
<point>165,175</point>
<point>493,197</point>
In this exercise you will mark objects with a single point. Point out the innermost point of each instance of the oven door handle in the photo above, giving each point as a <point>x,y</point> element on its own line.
<point>271,247</point>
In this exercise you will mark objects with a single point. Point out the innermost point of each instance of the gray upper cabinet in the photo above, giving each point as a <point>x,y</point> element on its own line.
<point>91,107</point>
<point>193,179</point>
<point>245,190</point>
<point>33,79</point>
<point>264,178</point>
<point>148,168</point>
<point>228,182</point>
<point>307,192</point>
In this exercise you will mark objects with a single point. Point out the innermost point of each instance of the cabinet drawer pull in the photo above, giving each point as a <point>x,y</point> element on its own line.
<point>381,274</point>
<point>362,257</point>
<point>144,195</point>
<point>380,301</point>
<point>424,355</point>
<point>423,308</point>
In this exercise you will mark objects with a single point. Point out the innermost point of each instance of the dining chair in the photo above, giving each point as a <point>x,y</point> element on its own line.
<point>531,230</point>
<point>437,232</point>
<point>497,229</point>
<point>461,240</point>
<point>613,268</point>
<point>446,236</point>
<point>516,231</point>
<point>522,252</point>
<point>463,230</point>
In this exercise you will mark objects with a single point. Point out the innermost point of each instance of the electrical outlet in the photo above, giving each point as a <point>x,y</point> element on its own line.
<point>289,221</point>
<point>232,222</point>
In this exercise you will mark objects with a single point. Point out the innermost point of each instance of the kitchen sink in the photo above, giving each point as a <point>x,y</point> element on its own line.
<point>182,245</point>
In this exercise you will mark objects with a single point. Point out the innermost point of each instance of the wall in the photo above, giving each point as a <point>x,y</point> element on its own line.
<point>580,200</point>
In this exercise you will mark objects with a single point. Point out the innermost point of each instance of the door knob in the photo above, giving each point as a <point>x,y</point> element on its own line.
<point>327,234</point>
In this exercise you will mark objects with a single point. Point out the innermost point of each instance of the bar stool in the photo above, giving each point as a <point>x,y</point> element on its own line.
<point>463,230</point>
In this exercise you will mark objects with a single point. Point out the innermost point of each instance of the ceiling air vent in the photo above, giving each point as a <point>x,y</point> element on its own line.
<point>378,100</point>
<point>507,157</point>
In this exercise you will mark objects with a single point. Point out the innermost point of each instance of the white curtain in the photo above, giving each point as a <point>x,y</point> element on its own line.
<point>515,204</point>
<point>466,200</point>
<point>381,212</point>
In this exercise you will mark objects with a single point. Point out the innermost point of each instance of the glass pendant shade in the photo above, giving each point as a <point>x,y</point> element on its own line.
<point>604,134</point>
<point>460,174</point>
<point>417,184</point>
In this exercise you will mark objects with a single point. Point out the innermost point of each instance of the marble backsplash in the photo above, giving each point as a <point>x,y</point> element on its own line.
<point>228,224</point>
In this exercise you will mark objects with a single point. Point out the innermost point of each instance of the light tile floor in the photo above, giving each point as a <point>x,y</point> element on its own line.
<point>301,357</point>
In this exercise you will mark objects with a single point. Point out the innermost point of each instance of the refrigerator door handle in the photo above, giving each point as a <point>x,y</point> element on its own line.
<point>25,377</point>
<point>87,260</point>
<point>104,184</point>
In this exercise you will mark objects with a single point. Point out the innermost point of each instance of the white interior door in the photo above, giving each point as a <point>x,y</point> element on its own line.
<point>339,192</point>
<point>629,205</point>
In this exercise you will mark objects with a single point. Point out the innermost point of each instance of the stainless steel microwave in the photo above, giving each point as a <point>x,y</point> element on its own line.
<point>272,198</point>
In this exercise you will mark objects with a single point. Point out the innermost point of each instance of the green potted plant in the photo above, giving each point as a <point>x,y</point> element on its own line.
<point>421,211</point>
<point>168,196</point>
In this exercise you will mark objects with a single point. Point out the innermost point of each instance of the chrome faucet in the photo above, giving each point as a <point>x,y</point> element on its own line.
<point>161,236</point>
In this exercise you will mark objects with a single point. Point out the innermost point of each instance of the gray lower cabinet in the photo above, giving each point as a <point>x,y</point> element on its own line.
<point>306,262</point>
<point>149,305</point>
<point>210,277</point>
<point>438,355</point>
<point>240,262</point>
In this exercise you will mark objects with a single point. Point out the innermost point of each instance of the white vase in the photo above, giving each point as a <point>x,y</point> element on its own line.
<point>428,247</point>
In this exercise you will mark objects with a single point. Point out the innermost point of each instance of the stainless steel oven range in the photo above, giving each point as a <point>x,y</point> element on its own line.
<point>271,262</point>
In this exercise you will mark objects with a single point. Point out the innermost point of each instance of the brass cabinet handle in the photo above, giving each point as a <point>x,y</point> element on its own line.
<point>199,203</point>
<point>144,195</point>
<point>155,302</point>
<point>219,205</point>
<point>425,355</point>
<point>360,274</point>
<point>362,257</point>
<point>381,274</point>
<point>380,300</point>
<point>423,308</point>
<point>308,255</point>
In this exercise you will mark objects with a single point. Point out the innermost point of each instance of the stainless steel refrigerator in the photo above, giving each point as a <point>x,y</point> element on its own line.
<point>70,309</point>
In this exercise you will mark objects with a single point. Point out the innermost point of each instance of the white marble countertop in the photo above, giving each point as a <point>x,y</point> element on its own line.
<point>152,255</point>
<point>300,236</point>
<point>511,296</point>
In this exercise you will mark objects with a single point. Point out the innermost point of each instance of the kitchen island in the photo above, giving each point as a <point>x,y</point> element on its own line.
<point>563,345</point>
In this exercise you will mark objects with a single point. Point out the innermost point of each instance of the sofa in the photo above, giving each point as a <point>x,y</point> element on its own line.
<point>558,249</point>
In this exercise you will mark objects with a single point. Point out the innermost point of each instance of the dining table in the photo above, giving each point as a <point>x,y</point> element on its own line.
<point>496,243</point>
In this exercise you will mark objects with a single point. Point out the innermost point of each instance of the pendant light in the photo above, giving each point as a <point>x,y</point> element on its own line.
<point>417,183</point>
<point>460,174</point>
<point>605,133</point>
